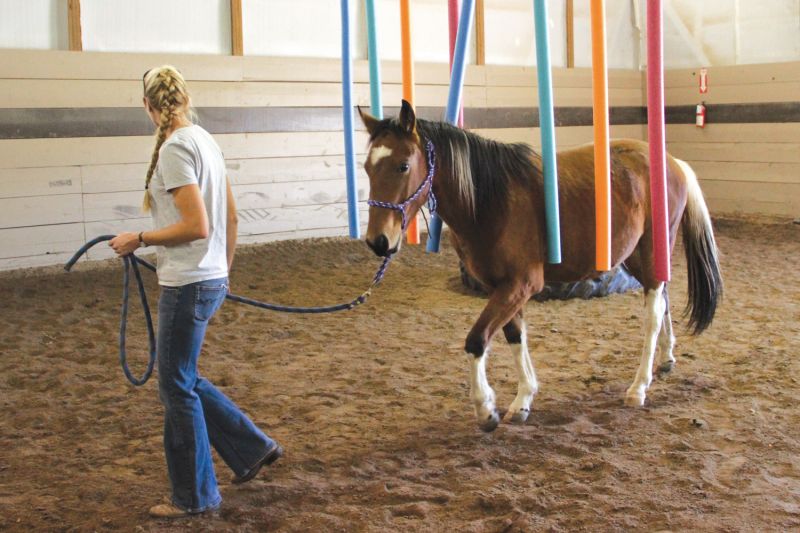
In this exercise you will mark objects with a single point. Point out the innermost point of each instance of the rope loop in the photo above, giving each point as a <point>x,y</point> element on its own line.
<point>132,262</point>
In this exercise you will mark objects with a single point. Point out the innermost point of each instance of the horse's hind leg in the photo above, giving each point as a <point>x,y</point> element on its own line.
<point>504,303</point>
<point>653,319</point>
<point>666,340</point>
<point>527,386</point>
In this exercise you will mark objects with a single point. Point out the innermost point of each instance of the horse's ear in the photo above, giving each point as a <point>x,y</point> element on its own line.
<point>370,122</point>
<point>408,119</point>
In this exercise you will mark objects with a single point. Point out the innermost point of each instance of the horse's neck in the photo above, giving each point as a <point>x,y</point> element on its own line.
<point>451,206</point>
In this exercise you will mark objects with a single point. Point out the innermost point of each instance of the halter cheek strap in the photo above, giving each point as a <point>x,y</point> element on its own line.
<point>432,203</point>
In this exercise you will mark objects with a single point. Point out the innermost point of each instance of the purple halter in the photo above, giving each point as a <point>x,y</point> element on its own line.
<point>432,203</point>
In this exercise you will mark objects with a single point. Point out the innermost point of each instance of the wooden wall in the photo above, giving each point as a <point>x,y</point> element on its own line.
<point>748,156</point>
<point>57,190</point>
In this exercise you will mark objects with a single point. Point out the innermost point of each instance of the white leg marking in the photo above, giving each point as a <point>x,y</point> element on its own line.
<point>481,393</point>
<point>379,152</point>
<point>666,342</point>
<point>653,317</point>
<point>527,386</point>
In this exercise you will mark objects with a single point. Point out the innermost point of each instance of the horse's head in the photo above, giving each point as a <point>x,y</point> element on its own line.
<point>398,169</point>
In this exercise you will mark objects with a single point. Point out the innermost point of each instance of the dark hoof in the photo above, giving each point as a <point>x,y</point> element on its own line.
<point>520,416</point>
<point>491,422</point>
<point>665,367</point>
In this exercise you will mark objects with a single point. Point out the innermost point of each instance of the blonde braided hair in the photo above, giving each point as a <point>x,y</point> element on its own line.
<point>165,90</point>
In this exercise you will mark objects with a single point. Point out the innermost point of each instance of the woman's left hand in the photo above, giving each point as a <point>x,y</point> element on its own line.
<point>125,243</point>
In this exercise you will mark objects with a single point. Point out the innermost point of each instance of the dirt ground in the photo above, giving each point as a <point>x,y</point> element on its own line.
<point>372,405</point>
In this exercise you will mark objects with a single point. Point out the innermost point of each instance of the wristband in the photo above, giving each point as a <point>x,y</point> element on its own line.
<point>141,239</point>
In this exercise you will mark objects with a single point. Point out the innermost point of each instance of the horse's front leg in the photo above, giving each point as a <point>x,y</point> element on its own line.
<point>505,302</point>
<point>527,385</point>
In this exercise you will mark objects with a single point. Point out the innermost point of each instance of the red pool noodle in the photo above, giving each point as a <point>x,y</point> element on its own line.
<point>655,131</point>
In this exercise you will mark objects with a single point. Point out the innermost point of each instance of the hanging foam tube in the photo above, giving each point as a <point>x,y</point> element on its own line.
<point>656,140</point>
<point>548,131</point>
<point>602,163</point>
<point>454,96</point>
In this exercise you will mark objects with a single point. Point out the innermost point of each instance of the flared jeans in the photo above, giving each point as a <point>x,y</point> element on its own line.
<point>197,415</point>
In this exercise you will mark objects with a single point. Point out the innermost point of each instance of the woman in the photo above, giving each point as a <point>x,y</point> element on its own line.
<point>193,211</point>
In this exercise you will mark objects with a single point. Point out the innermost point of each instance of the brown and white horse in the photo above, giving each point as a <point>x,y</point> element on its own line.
<point>490,194</point>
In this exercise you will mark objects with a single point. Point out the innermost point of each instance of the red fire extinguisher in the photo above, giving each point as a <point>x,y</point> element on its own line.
<point>700,116</point>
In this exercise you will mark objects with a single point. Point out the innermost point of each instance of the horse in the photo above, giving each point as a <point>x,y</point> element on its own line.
<point>490,195</point>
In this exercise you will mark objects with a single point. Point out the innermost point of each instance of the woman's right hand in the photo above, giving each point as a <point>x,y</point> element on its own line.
<point>125,243</point>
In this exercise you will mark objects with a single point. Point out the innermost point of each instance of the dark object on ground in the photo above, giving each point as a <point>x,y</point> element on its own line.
<point>615,281</point>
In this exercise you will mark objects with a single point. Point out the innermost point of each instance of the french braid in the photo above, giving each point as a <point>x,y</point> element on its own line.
<point>165,89</point>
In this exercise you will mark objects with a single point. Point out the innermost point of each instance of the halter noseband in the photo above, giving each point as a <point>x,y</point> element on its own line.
<point>432,203</point>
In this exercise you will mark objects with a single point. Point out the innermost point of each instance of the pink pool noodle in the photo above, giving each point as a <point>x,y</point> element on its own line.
<point>655,130</point>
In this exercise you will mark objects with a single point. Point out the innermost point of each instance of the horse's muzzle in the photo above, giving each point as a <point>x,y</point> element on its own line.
<point>381,246</point>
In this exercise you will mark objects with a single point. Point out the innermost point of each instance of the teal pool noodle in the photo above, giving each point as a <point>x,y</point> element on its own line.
<point>548,130</point>
<point>376,107</point>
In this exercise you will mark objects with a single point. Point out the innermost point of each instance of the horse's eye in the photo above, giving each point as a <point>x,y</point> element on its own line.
<point>403,167</point>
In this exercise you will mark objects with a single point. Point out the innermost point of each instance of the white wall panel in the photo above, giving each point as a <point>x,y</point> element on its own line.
<point>430,37</point>
<point>185,26</point>
<point>622,34</point>
<point>510,32</point>
<point>295,28</point>
<point>730,32</point>
<point>39,24</point>
<point>769,31</point>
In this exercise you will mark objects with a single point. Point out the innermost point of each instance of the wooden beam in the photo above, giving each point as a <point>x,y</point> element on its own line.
<point>480,33</point>
<point>237,38</point>
<point>74,25</point>
<point>570,34</point>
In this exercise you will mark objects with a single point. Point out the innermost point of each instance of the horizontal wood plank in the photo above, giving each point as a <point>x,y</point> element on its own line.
<point>735,94</point>
<point>339,231</point>
<point>55,64</point>
<point>265,221</point>
<point>310,194</point>
<point>282,169</point>
<point>43,93</point>
<point>19,182</point>
<point>27,153</point>
<point>34,261</point>
<point>734,75</point>
<point>511,76</point>
<point>734,133</point>
<point>564,97</point>
<point>566,137</point>
<point>736,173</point>
<point>40,210</point>
<point>778,199</point>
<point>296,194</point>
<point>737,152</point>
<point>40,240</point>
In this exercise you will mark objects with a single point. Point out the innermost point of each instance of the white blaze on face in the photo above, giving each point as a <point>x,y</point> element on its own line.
<point>379,152</point>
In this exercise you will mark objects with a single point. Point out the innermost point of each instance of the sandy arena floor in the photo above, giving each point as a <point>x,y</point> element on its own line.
<point>372,405</point>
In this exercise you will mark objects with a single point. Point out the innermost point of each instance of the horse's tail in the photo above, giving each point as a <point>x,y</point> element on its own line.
<point>702,256</point>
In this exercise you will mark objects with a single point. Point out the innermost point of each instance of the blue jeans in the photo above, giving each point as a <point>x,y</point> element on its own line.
<point>196,413</point>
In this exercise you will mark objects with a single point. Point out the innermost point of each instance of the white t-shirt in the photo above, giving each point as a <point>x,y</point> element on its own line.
<point>191,155</point>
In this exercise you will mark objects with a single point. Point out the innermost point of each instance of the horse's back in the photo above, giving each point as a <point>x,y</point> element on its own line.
<point>630,201</point>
